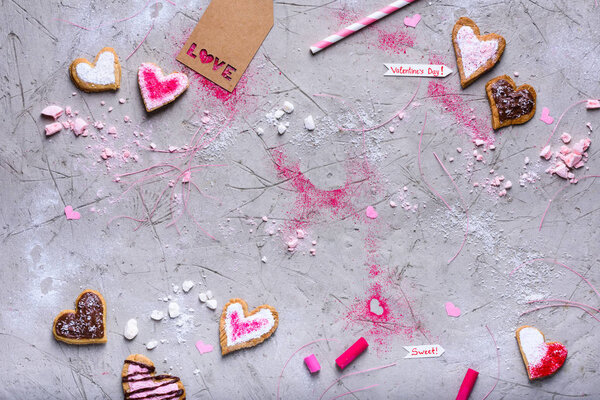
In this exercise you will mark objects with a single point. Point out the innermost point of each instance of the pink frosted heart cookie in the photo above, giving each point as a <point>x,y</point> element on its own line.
<point>240,329</point>
<point>475,54</point>
<point>157,89</point>
<point>140,381</point>
<point>541,358</point>
<point>103,74</point>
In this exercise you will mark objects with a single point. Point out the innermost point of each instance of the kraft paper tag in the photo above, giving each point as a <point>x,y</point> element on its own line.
<point>226,39</point>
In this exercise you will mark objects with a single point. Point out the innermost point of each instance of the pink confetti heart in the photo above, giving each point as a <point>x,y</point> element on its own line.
<point>203,347</point>
<point>412,21</point>
<point>71,214</point>
<point>546,116</point>
<point>452,310</point>
<point>371,212</point>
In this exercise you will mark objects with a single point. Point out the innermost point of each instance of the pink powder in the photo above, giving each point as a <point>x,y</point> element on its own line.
<point>476,127</point>
<point>310,201</point>
<point>454,104</point>
<point>395,42</point>
<point>380,328</point>
<point>374,271</point>
<point>392,42</point>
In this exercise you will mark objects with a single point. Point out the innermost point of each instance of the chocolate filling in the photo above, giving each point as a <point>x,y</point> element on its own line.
<point>87,322</point>
<point>511,104</point>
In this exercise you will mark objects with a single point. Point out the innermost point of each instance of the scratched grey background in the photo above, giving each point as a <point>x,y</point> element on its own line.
<point>48,260</point>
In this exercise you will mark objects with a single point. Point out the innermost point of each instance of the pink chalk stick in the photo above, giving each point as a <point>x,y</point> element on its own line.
<point>467,384</point>
<point>312,363</point>
<point>354,351</point>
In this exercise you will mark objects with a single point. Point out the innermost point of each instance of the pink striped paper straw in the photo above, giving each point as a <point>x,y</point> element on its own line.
<point>357,26</point>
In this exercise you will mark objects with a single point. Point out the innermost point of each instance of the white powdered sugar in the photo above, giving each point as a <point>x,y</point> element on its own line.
<point>532,344</point>
<point>243,334</point>
<point>474,52</point>
<point>102,74</point>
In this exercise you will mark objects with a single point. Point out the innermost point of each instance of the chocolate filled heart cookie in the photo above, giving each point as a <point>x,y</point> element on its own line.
<point>140,382</point>
<point>511,105</point>
<point>541,358</point>
<point>475,53</point>
<point>103,74</point>
<point>240,329</point>
<point>84,325</point>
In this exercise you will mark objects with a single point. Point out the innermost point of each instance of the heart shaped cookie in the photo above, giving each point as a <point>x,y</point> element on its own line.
<point>140,382</point>
<point>511,105</point>
<point>240,329</point>
<point>103,74</point>
<point>157,89</point>
<point>541,358</point>
<point>475,53</point>
<point>84,325</point>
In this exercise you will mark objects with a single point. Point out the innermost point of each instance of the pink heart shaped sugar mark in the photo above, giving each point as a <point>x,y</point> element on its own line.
<point>203,347</point>
<point>371,212</point>
<point>412,21</point>
<point>452,310</point>
<point>70,214</point>
<point>546,118</point>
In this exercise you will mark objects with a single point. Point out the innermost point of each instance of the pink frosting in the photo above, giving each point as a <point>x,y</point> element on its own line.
<point>474,52</point>
<point>157,89</point>
<point>160,393</point>
<point>242,326</point>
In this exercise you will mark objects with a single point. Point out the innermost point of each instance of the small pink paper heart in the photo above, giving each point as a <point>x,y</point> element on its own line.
<point>203,347</point>
<point>452,310</point>
<point>412,21</point>
<point>71,214</point>
<point>371,213</point>
<point>546,116</point>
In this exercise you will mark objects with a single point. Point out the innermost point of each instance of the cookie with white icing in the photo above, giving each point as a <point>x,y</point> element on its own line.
<point>84,325</point>
<point>101,75</point>
<point>541,358</point>
<point>240,329</point>
<point>475,53</point>
<point>140,381</point>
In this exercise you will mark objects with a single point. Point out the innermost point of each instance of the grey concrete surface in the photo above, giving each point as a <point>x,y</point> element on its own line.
<point>47,260</point>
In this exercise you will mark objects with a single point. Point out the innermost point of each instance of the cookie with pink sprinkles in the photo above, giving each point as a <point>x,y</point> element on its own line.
<point>158,89</point>
<point>240,329</point>
<point>475,54</point>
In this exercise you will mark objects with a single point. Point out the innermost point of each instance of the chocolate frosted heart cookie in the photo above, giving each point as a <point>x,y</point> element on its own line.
<point>84,325</point>
<point>511,105</point>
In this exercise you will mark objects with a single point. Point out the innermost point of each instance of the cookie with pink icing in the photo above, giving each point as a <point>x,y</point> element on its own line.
<point>541,358</point>
<point>140,382</point>
<point>475,53</point>
<point>240,329</point>
<point>158,89</point>
<point>103,74</point>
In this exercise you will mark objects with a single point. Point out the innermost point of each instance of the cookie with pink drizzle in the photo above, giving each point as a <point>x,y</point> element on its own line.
<point>158,89</point>
<point>475,53</point>
<point>140,382</point>
<point>541,358</point>
<point>240,329</point>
